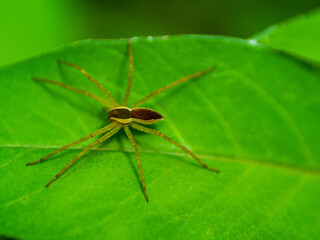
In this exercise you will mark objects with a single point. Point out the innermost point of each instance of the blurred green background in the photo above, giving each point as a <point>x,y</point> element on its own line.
<point>32,27</point>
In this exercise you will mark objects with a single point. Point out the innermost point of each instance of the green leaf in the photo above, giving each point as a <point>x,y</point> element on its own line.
<point>256,119</point>
<point>299,36</point>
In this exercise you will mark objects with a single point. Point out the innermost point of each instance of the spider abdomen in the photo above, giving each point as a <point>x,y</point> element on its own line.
<point>145,114</point>
<point>141,115</point>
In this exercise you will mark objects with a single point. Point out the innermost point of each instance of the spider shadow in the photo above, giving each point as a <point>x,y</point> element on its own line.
<point>119,137</point>
<point>179,155</point>
<point>88,109</point>
<point>122,76</point>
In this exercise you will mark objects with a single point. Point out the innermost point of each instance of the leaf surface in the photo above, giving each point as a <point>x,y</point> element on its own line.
<point>299,36</point>
<point>256,119</point>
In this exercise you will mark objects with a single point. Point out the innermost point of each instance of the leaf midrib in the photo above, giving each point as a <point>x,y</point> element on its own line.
<point>231,159</point>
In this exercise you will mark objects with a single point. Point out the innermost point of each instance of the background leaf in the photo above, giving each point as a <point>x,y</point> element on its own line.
<point>256,119</point>
<point>299,36</point>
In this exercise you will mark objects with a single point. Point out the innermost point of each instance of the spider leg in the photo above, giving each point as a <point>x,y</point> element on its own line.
<point>100,140</point>
<point>181,80</point>
<point>99,85</point>
<point>91,135</point>
<point>133,142</point>
<point>89,94</point>
<point>157,133</point>
<point>126,96</point>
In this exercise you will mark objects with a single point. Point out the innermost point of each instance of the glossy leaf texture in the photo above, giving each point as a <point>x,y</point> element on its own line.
<point>299,36</point>
<point>255,118</point>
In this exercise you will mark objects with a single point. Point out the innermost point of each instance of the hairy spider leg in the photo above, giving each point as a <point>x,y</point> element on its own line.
<point>133,142</point>
<point>181,80</point>
<point>99,85</point>
<point>91,135</point>
<point>89,94</point>
<point>127,93</point>
<point>100,140</point>
<point>157,133</point>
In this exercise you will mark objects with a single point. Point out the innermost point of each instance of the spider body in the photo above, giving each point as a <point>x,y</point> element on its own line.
<point>125,115</point>
<point>121,116</point>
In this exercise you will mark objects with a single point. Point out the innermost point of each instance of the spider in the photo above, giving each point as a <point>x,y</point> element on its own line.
<point>121,116</point>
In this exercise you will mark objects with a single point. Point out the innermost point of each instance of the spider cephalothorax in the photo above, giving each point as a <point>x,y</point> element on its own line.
<point>121,116</point>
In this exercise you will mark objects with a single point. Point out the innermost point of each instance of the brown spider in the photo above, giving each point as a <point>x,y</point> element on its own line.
<point>121,116</point>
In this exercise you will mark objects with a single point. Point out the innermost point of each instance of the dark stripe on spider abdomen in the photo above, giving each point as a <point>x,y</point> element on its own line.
<point>145,114</point>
